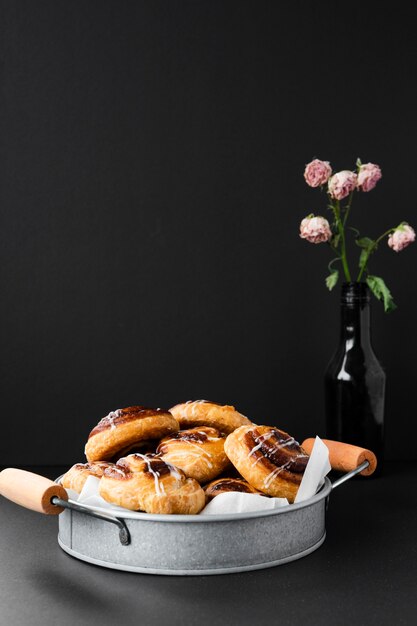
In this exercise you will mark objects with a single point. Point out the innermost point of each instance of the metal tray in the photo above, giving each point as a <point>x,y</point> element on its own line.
<point>186,544</point>
<point>195,544</point>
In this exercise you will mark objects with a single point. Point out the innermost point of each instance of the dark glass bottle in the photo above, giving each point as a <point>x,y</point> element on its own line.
<point>355,380</point>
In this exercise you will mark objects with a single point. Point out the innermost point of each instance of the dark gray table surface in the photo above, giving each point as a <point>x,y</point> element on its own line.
<point>365,572</point>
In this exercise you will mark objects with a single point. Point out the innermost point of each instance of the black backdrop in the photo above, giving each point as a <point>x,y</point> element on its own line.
<point>151,193</point>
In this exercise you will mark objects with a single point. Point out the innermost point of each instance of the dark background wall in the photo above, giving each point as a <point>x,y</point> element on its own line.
<point>151,193</point>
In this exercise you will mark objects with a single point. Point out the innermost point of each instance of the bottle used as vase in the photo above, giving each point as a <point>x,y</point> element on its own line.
<point>354,379</point>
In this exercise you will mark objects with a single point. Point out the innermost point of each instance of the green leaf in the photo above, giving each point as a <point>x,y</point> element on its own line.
<point>332,279</point>
<point>381,291</point>
<point>358,162</point>
<point>363,258</point>
<point>365,242</point>
<point>368,247</point>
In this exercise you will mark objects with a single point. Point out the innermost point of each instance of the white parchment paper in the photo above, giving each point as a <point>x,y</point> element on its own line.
<point>318,467</point>
<point>237,502</point>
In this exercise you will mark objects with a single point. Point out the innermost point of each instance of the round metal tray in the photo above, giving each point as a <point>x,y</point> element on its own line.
<point>194,544</point>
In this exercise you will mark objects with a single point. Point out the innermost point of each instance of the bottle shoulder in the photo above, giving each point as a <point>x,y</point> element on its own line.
<point>353,361</point>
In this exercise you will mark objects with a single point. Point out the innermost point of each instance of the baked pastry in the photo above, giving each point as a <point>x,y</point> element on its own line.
<point>199,452</point>
<point>205,413</point>
<point>77,475</point>
<point>147,483</point>
<point>268,458</point>
<point>125,427</point>
<point>227,485</point>
<point>147,446</point>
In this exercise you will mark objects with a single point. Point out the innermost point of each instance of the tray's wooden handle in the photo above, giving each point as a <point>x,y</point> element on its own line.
<point>31,490</point>
<point>344,457</point>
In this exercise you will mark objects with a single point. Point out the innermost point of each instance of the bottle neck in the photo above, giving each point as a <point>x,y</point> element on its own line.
<point>355,315</point>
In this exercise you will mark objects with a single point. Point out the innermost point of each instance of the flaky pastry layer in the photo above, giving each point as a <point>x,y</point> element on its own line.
<point>198,452</point>
<point>205,413</point>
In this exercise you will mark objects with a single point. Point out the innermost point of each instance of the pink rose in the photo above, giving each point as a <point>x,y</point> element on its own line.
<point>401,237</point>
<point>317,173</point>
<point>369,175</point>
<point>315,229</point>
<point>342,184</point>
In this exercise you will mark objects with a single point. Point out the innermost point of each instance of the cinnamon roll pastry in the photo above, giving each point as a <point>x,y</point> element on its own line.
<point>148,446</point>
<point>141,482</point>
<point>268,458</point>
<point>227,485</point>
<point>77,475</point>
<point>205,413</point>
<point>198,452</point>
<point>123,428</point>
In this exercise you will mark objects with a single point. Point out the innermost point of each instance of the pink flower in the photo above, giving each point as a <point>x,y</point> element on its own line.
<point>401,237</point>
<point>317,173</point>
<point>342,184</point>
<point>315,229</point>
<point>369,175</point>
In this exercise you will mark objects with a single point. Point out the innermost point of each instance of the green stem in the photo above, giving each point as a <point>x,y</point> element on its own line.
<point>348,208</point>
<point>371,250</point>
<point>341,229</point>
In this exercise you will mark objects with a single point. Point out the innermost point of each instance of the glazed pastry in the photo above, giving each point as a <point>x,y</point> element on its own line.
<point>77,475</point>
<point>126,427</point>
<point>199,452</point>
<point>204,413</point>
<point>227,485</point>
<point>146,483</point>
<point>268,458</point>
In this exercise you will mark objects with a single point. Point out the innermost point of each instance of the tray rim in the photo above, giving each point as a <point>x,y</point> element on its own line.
<point>201,519</point>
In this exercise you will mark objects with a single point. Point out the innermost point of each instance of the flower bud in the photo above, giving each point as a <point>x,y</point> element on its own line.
<point>317,173</point>
<point>369,175</point>
<point>315,229</point>
<point>342,184</point>
<point>401,237</point>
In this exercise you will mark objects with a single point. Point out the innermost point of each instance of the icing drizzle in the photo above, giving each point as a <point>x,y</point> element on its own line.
<point>279,449</point>
<point>120,416</point>
<point>157,467</point>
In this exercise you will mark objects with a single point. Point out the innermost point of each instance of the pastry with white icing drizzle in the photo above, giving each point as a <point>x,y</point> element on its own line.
<point>199,452</point>
<point>144,482</point>
<point>268,458</point>
<point>206,413</point>
<point>124,428</point>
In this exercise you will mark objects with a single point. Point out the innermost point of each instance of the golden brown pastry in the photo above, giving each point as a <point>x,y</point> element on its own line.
<point>205,413</point>
<point>147,446</point>
<point>78,474</point>
<point>199,452</point>
<point>147,483</point>
<point>268,458</point>
<point>227,485</point>
<point>124,428</point>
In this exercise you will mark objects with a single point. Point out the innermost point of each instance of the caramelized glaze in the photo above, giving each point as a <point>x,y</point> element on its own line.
<point>197,436</point>
<point>121,416</point>
<point>202,402</point>
<point>278,450</point>
<point>95,467</point>
<point>120,471</point>
<point>232,484</point>
<point>156,466</point>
